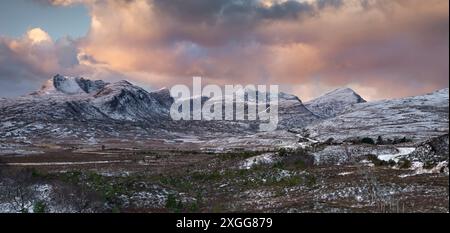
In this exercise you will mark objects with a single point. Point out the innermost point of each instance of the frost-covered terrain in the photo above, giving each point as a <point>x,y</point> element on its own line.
<point>416,118</point>
<point>78,145</point>
<point>75,107</point>
<point>334,102</point>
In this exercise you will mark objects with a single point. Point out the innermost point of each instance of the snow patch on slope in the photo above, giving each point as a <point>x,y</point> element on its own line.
<point>395,157</point>
<point>268,158</point>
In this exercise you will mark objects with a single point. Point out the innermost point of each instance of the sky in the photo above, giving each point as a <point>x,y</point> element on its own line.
<point>380,48</point>
<point>18,16</point>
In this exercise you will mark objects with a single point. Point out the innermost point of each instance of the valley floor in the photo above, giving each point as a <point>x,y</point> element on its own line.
<point>169,179</point>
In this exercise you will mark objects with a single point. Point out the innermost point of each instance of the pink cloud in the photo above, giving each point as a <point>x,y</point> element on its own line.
<point>374,46</point>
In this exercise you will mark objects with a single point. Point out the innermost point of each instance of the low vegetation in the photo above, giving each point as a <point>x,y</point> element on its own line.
<point>378,162</point>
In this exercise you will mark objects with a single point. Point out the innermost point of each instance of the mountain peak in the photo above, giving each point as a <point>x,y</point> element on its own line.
<point>340,94</point>
<point>343,89</point>
<point>123,83</point>
<point>334,102</point>
<point>162,89</point>
<point>71,85</point>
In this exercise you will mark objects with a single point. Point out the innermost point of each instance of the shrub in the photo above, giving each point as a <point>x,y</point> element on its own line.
<point>39,207</point>
<point>368,141</point>
<point>207,176</point>
<point>329,141</point>
<point>300,164</point>
<point>194,207</point>
<point>294,159</point>
<point>404,163</point>
<point>378,162</point>
<point>279,165</point>
<point>38,174</point>
<point>171,202</point>
<point>379,140</point>
<point>282,152</point>
<point>429,165</point>
<point>311,180</point>
<point>401,140</point>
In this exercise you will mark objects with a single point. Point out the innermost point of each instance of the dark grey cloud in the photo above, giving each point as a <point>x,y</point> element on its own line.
<point>217,11</point>
<point>375,44</point>
<point>216,22</point>
<point>329,3</point>
<point>16,75</point>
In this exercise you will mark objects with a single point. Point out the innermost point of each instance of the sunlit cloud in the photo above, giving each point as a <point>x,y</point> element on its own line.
<point>38,36</point>
<point>310,46</point>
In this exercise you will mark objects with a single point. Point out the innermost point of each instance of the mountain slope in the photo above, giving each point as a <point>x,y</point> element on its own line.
<point>68,107</point>
<point>415,118</point>
<point>76,98</point>
<point>334,102</point>
<point>293,113</point>
<point>291,110</point>
<point>73,106</point>
<point>124,101</point>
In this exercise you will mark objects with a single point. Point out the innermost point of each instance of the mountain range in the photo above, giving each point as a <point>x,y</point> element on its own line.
<point>77,107</point>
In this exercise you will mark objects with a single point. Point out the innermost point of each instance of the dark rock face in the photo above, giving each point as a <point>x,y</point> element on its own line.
<point>432,151</point>
<point>293,114</point>
<point>163,97</point>
<point>89,86</point>
<point>82,110</point>
<point>76,85</point>
<point>124,101</point>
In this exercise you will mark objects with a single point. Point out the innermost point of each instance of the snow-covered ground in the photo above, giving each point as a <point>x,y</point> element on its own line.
<point>401,151</point>
<point>268,158</point>
<point>418,169</point>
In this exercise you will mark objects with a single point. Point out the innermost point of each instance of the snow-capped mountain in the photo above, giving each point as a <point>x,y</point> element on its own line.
<point>291,110</point>
<point>77,98</point>
<point>334,102</point>
<point>293,113</point>
<point>163,97</point>
<point>76,107</point>
<point>71,106</point>
<point>125,101</point>
<point>70,85</point>
<point>414,118</point>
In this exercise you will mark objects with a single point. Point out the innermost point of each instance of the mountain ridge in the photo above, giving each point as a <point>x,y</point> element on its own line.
<point>122,109</point>
<point>414,117</point>
<point>334,102</point>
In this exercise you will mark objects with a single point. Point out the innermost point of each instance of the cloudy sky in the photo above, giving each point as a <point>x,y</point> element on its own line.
<point>380,48</point>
